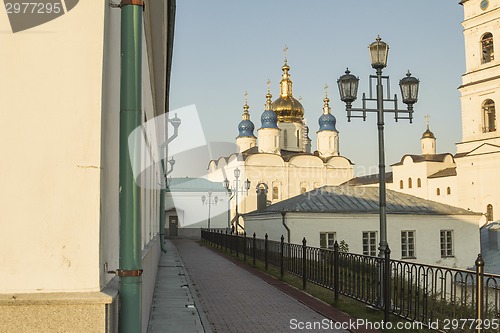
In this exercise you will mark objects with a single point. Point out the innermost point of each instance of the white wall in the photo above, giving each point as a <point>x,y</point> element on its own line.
<point>62,130</point>
<point>51,129</point>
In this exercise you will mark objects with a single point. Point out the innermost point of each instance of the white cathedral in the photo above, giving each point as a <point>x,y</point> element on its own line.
<point>280,156</point>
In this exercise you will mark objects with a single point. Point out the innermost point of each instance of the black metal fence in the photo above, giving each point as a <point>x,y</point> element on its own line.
<point>441,298</point>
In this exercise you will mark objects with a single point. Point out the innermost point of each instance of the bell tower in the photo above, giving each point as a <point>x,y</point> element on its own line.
<point>480,89</point>
<point>478,154</point>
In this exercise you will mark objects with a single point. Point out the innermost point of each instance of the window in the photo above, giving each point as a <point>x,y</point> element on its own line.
<point>448,190</point>
<point>409,183</point>
<point>487,48</point>
<point>438,191</point>
<point>408,244</point>
<point>370,243</point>
<point>285,139</point>
<point>446,243</point>
<point>489,213</point>
<point>275,192</point>
<point>401,184</point>
<point>419,182</point>
<point>489,117</point>
<point>298,138</point>
<point>326,240</point>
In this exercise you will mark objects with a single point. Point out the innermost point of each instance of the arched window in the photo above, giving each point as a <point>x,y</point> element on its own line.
<point>401,184</point>
<point>409,183</point>
<point>275,192</point>
<point>419,182</point>
<point>285,139</point>
<point>438,191</point>
<point>487,48</point>
<point>488,110</point>
<point>298,138</point>
<point>448,190</point>
<point>489,212</point>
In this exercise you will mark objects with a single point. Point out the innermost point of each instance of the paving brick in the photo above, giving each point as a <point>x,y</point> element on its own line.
<point>235,300</point>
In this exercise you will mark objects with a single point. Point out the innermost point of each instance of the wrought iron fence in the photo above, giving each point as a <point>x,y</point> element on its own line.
<point>441,298</point>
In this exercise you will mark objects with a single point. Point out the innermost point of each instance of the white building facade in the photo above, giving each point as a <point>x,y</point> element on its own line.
<point>60,201</point>
<point>419,230</point>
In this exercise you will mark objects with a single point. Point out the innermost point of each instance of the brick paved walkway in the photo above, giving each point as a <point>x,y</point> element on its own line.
<point>235,300</point>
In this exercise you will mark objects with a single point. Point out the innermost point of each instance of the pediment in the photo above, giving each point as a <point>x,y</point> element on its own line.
<point>485,148</point>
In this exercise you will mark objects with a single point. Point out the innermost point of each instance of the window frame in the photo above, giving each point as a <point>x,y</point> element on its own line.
<point>488,114</point>
<point>489,213</point>
<point>446,243</point>
<point>406,251</point>
<point>327,240</point>
<point>371,243</point>
<point>487,48</point>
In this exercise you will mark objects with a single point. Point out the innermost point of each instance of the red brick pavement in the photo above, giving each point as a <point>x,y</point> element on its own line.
<point>239,298</point>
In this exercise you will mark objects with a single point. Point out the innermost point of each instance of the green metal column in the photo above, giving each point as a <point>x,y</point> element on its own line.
<point>130,316</point>
<point>162,208</point>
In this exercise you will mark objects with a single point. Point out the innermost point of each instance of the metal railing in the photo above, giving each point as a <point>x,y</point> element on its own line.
<point>441,298</point>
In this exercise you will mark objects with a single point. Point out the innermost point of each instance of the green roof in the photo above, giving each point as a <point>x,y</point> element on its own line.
<point>193,185</point>
<point>348,199</point>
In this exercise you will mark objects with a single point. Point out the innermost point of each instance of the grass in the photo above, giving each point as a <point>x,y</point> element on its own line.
<point>355,309</point>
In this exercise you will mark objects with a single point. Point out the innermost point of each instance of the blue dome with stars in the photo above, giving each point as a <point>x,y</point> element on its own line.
<point>327,122</point>
<point>269,119</point>
<point>246,128</point>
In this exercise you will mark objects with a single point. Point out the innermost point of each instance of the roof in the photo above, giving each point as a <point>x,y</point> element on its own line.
<point>448,172</point>
<point>193,185</point>
<point>287,155</point>
<point>424,158</point>
<point>369,179</point>
<point>346,199</point>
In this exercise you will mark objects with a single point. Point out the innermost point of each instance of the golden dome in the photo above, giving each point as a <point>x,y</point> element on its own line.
<point>286,107</point>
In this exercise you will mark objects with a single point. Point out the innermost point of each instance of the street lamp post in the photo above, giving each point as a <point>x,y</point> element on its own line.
<point>236,190</point>
<point>230,196</point>
<point>348,87</point>
<point>209,201</point>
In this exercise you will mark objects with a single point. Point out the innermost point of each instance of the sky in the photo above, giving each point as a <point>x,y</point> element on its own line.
<point>223,48</point>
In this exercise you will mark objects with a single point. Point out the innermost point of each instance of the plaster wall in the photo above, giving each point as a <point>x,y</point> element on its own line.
<point>245,143</point>
<point>269,140</point>
<point>477,179</point>
<point>53,130</point>
<point>327,143</point>
<point>292,136</point>
<point>443,183</point>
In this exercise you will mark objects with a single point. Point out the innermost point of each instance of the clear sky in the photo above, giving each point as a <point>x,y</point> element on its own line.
<point>223,48</point>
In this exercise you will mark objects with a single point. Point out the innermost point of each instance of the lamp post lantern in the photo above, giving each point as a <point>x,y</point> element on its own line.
<point>235,190</point>
<point>348,87</point>
<point>209,201</point>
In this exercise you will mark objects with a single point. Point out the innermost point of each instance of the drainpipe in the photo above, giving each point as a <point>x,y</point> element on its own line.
<point>286,227</point>
<point>130,271</point>
<point>162,210</point>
